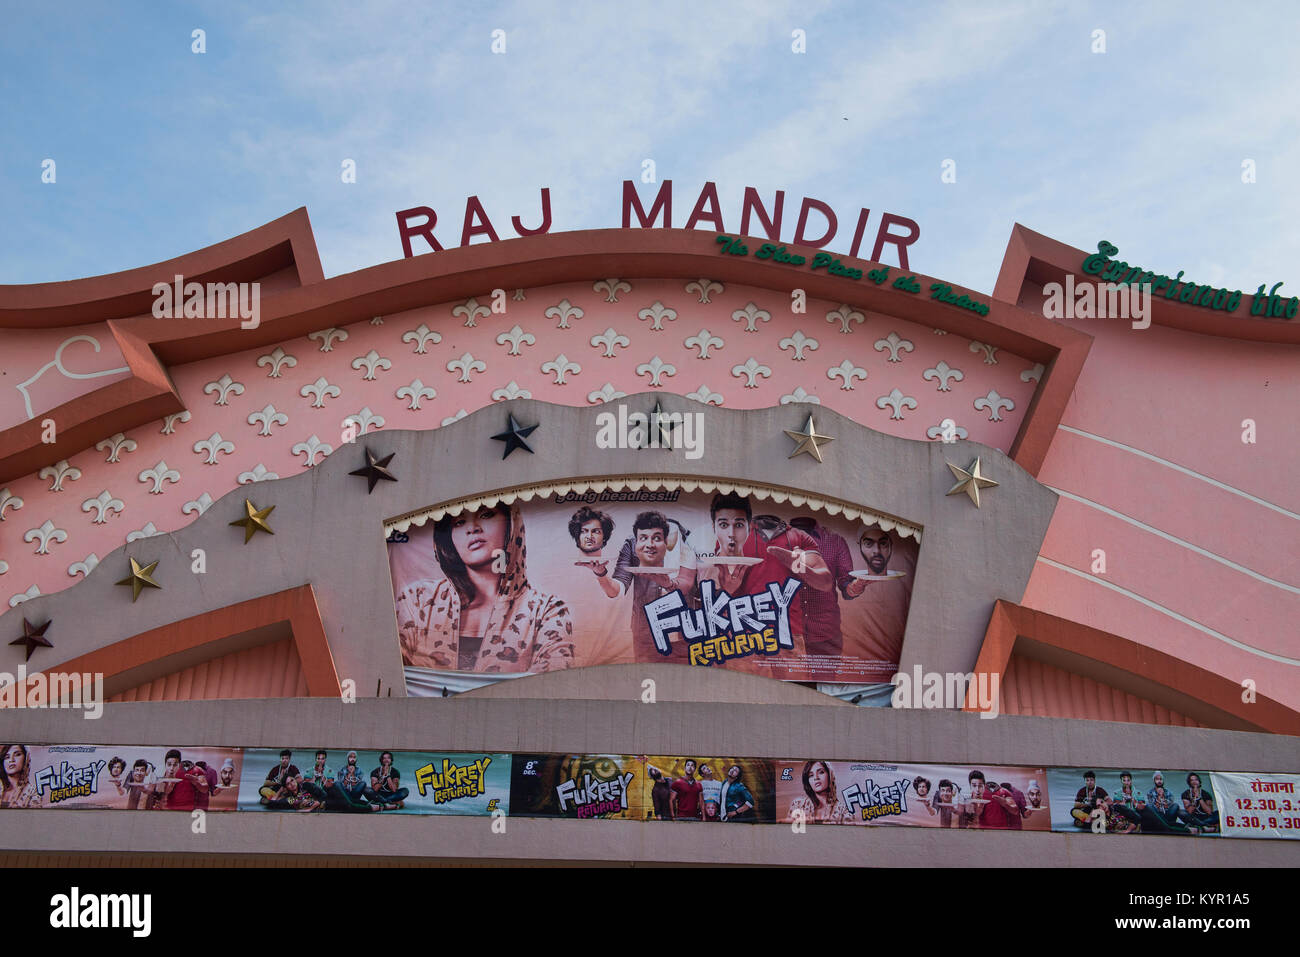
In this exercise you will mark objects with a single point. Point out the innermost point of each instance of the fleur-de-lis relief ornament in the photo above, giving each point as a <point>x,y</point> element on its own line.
<point>467,365</point>
<point>33,591</point>
<point>158,474</point>
<point>845,315</point>
<point>705,395</point>
<point>655,368</point>
<point>610,339</point>
<point>894,344</point>
<point>1034,374</point>
<point>377,321</point>
<point>260,473</point>
<point>510,391</point>
<point>560,366</point>
<point>751,370</point>
<point>656,313</point>
<point>116,445</point>
<point>471,310</point>
<point>460,414</point>
<point>421,335</point>
<point>705,287</point>
<point>83,567</point>
<point>327,338</point>
<point>7,501</point>
<point>277,360</point>
<point>994,403</point>
<point>612,288</point>
<point>58,472</point>
<point>101,505</point>
<point>311,447</point>
<point>149,531</point>
<point>751,315</point>
<point>169,421</point>
<point>798,343</point>
<point>800,395</point>
<point>516,337</point>
<point>896,401</point>
<point>223,388</point>
<point>212,445</point>
<point>416,391</point>
<point>846,371</point>
<point>199,505</point>
<point>947,430</point>
<point>990,352</point>
<point>606,393</point>
<point>563,311</point>
<point>4,567</point>
<point>704,341</point>
<point>45,534</point>
<point>268,417</point>
<point>944,374</point>
<point>518,296</point>
<point>371,361</point>
<point>367,420</point>
<point>321,390</point>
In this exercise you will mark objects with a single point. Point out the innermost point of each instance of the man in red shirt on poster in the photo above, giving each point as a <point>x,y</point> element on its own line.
<point>686,795</point>
<point>184,795</point>
<point>998,813</point>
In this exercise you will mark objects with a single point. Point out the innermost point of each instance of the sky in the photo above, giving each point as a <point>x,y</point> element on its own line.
<point>159,150</point>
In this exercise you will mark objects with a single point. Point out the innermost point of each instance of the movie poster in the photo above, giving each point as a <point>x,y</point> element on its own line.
<point>1259,805</point>
<point>1137,801</point>
<point>119,777</point>
<point>366,782</point>
<point>642,787</point>
<point>984,797</point>
<point>704,579</point>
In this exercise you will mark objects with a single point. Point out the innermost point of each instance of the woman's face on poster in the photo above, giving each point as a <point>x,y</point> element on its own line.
<point>14,761</point>
<point>477,537</point>
<point>819,778</point>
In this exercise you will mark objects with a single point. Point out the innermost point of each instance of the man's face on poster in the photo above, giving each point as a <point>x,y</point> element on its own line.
<point>227,776</point>
<point>876,547</point>
<point>591,537</point>
<point>651,546</point>
<point>479,536</point>
<point>977,789</point>
<point>945,794</point>
<point>1035,797</point>
<point>731,525</point>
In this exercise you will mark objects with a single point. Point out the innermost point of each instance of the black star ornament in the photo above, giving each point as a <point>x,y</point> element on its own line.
<point>33,638</point>
<point>514,436</point>
<point>374,470</point>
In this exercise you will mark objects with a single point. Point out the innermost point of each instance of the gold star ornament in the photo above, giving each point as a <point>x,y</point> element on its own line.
<point>254,520</point>
<point>141,577</point>
<point>810,440</point>
<point>970,480</point>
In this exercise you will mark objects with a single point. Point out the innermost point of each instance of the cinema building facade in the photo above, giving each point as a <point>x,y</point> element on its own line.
<point>569,535</point>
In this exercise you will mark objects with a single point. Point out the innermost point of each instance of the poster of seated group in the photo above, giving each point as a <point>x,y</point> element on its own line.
<point>709,579</point>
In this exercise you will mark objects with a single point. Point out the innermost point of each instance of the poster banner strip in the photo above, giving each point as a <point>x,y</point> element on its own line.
<point>1136,801</point>
<point>983,797</point>
<point>119,777</point>
<point>1259,805</point>
<point>369,781</point>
